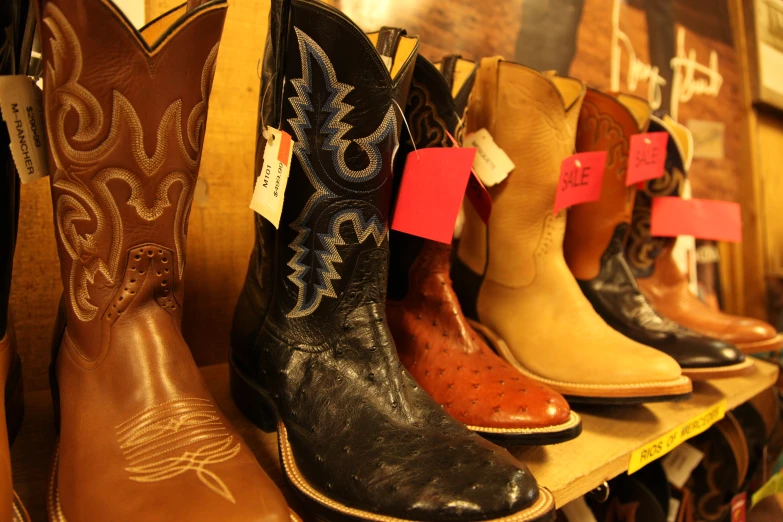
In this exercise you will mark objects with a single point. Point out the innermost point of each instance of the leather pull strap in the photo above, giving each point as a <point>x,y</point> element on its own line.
<point>447,67</point>
<point>483,100</point>
<point>388,40</point>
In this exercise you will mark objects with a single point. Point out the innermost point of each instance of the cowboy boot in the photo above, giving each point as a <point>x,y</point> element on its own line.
<point>13,17</point>
<point>434,340</point>
<point>595,242</point>
<point>126,112</point>
<point>656,271</point>
<point>358,438</point>
<point>511,275</point>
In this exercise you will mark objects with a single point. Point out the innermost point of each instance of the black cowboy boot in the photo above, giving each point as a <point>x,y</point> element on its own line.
<point>358,438</point>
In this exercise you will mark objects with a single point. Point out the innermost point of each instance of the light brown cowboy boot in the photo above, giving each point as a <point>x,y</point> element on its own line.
<point>511,274</point>
<point>141,438</point>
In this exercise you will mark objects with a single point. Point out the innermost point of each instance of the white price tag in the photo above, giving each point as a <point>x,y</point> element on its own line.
<point>21,104</point>
<point>679,464</point>
<point>271,182</point>
<point>492,165</point>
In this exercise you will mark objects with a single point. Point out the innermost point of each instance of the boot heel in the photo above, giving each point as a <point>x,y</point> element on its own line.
<point>253,401</point>
<point>14,400</point>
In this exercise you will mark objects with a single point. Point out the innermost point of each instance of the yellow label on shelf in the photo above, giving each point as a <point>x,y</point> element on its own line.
<point>665,443</point>
<point>773,486</point>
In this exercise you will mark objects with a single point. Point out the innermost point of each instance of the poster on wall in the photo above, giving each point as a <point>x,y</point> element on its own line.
<point>764,19</point>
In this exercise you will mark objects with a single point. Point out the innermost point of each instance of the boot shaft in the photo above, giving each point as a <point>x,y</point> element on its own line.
<point>338,104</point>
<point>606,123</point>
<point>532,117</point>
<point>433,114</point>
<point>642,249</point>
<point>126,113</point>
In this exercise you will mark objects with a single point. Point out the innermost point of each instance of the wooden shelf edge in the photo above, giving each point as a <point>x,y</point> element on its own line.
<point>569,470</point>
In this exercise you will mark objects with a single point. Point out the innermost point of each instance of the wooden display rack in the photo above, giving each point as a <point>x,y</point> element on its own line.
<point>569,470</point>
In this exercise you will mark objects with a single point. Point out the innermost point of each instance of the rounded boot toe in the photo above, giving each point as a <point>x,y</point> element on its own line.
<point>507,491</point>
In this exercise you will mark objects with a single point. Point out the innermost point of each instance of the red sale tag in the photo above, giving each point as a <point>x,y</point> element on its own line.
<point>581,176</point>
<point>738,507</point>
<point>700,218</point>
<point>431,191</point>
<point>285,147</point>
<point>646,157</point>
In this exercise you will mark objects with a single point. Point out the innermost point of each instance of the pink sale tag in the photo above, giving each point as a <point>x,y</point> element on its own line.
<point>431,192</point>
<point>700,218</point>
<point>646,157</point>
<point>581,176</point>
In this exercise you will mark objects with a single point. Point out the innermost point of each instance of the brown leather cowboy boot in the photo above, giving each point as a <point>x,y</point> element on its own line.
<point>657,273</point>
<point>434,339</point>
<point>14,54</point>
<point>141,438</point>
<point>595,242</point>
<point>511,274</point>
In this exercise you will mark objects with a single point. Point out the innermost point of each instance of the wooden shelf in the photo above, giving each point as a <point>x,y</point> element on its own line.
<point>569,470</point>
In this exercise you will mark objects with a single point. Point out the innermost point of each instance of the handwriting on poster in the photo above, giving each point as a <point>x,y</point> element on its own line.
<point>690,77</point>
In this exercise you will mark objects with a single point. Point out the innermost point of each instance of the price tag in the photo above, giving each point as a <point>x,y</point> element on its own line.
<point>271,183</point>
<point>431,191</point>
<point>581,176</point>
<point>667,442</point>
<point>491,164</point>
<point>22,109</point>
<point>700,218</point>
<point>646,157</point>
<point>680,463</point>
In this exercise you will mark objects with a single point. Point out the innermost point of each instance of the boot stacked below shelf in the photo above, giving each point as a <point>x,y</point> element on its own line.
<point>383,361</point>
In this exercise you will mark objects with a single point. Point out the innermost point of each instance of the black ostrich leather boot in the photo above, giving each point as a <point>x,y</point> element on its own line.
<point>358,438</point>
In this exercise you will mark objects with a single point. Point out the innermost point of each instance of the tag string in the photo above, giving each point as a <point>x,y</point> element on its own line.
<point>413,142</point>
<point>264,132</point>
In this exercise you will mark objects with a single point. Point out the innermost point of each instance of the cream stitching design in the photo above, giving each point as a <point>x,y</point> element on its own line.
<point>152,440</point>
<point>79,204</point>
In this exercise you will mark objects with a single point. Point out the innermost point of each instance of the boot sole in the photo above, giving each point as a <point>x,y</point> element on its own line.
<point>719,372</point>
<point>256,404</point>
<point>609,394</point>
<point>542,436</point>
<point>768,345</point>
